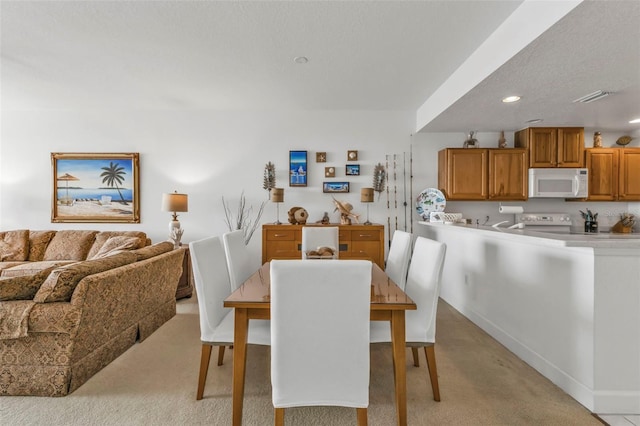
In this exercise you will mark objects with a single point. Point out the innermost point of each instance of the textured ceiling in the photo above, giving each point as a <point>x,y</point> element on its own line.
<point>363,55</point>
<point>595,47</point>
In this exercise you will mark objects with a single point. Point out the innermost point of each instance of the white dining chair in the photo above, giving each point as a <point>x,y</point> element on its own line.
<point>398,258</point>
<point>216,322</point>
<point>314,237</point>
<point>239,260</point>
<point>423,287</point>
<point>316,307</point>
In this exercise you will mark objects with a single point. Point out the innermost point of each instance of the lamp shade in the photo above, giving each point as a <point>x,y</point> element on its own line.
<point>174,202</point>
<point>277,195</point>
<point>366,195</point>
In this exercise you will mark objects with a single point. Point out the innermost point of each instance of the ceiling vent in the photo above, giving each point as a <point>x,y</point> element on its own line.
<point>599,94</point>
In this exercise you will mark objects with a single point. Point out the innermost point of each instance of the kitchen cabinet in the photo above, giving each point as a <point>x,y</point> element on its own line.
<point>614,174</point>
<point>483,174</point>
<point>355,242</point>
<point>552,146</point>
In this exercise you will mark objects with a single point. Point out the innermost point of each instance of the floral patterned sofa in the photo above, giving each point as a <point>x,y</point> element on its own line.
<point>76,302</point>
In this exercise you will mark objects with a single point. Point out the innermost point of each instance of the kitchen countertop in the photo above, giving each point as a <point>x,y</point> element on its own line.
<point>595,240</point>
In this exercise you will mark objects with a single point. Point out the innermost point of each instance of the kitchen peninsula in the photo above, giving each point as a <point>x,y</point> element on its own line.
<point>568,305</point>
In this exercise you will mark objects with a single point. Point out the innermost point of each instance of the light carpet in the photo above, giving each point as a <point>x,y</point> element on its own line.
<point>154,383</point>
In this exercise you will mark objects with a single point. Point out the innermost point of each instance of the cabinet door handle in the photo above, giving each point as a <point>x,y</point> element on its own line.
<point>364,235</point>
<point>279,235</point>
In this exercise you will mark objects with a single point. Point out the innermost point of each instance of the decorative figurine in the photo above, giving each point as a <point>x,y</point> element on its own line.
<point>269,176</point>
<point>345,212</point>
<point>597,140</point>
<point>325,219</point>
<point>379,178</point>
<point>471,142</point>
<point>298,216</point>
<point>502,142</point>
<point>624,140</point>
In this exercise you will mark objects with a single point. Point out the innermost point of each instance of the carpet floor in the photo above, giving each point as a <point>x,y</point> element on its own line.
<point>154,383</point>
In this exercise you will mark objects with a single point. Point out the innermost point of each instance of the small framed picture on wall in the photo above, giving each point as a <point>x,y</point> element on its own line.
<point>297,168</point>
<point>352,170</point>
<point>332,187</point>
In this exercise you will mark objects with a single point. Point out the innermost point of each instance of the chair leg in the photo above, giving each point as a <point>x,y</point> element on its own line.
<point>279,417</point>
<point>430,353</point>
<point>220,354</point>
<point>362,416</point>
<point>416,361</point>
<point>204,368</point>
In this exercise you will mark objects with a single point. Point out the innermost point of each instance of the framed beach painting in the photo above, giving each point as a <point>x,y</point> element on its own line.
<point>95,187</point>
<point>297,168</point>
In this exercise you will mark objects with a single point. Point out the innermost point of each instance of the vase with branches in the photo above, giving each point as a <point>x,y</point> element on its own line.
<point>243,217</point>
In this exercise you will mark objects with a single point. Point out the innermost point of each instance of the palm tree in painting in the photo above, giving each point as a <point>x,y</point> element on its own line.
<point>112,176</point>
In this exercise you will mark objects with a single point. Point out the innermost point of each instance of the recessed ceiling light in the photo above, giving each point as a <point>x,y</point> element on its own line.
<point>510,99</point>
<point>598,94</point>
<point>300,59</point>
<point>635,121</point>
<point>534,121</point>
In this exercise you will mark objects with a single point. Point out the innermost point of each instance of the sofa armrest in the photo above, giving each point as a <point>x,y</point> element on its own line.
<point>14,318</point>
<point>54,317</point>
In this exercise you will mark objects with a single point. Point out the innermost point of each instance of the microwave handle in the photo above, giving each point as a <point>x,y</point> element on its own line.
<point>576,185</point>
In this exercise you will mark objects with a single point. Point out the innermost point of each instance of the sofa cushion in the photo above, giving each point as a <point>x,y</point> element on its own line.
<point>31,268</point>
<point>22,287</point>
<point>61,282</point>
<point>153,250</point>
<point>103,237</point>
<point>7,265</point>
<point>14,245</point>
<point>38,242</point>
<point>70,245</point>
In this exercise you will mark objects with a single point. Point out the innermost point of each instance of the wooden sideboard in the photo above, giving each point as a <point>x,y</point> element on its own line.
<point>356,242</point>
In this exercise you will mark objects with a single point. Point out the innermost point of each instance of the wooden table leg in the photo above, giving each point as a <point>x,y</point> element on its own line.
<point>399,368</point>
<point>241,330</point>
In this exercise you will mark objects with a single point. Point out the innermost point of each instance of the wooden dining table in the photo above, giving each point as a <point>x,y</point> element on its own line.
<point>252,301</point>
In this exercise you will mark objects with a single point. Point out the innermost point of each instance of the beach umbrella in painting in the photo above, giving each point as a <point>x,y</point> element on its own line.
<point>67,177</point>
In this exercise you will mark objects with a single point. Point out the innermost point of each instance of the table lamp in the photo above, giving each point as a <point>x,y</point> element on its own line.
<point>277,196</point>
<point>174,202</point>
<point>366,196</point>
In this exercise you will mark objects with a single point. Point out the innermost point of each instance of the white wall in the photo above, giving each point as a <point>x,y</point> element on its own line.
<point>211,154</point>
<point>206,154</point>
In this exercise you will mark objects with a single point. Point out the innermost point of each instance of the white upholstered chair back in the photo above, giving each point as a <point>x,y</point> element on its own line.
<point>423,287</point>
<point>320,332</point>
<point>212,283</point>
<point>398,258</point>
<point>320,236</point>
<point>217,322</point>
<point>239,260</point>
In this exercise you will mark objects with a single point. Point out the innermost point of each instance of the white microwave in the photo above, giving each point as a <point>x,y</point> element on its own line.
<point>558,183</point>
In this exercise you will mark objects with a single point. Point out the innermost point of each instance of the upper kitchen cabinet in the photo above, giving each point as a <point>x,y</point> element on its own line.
<point>629,177</point>
<point>508,174</point>
<point>462,173</point>
<point>552,146</point>
<point>614,174</point>
<point>483,174</point>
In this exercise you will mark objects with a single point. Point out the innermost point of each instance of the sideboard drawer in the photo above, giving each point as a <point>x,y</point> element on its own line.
<point>365,235</point>
<point>281,234</point>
